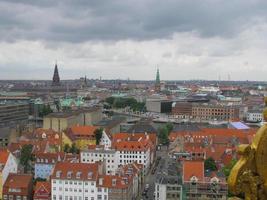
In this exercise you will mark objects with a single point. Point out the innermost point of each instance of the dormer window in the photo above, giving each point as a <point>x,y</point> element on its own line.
<point>114,182</point>
<point>78,175</point>
<point>69,173</point>
<point>90,175</point>
<point>58,173</point>
<point>193,180</point>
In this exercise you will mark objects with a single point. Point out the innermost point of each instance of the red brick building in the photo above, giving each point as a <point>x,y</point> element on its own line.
<point>18,186</point>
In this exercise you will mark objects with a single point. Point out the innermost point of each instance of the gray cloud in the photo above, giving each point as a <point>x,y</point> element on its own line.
<point>83,20</point>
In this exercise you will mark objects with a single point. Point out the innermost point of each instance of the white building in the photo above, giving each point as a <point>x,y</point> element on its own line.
<point>77,181</point>
<point>86,181</point>
<point>99,153</point>
<point>254,116</point>
<point>122,153</point>
<point>106,140</point>
<point>134,151</point>
<point>8,164</point>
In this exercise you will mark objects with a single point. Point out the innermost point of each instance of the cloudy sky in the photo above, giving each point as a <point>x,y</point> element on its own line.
<point>186,39</point>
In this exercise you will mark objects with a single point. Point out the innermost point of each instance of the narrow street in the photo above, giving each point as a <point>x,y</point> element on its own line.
<point>151,177</point>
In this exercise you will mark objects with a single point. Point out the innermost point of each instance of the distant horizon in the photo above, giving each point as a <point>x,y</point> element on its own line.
<point>186,39</point>
<point>188,80</point>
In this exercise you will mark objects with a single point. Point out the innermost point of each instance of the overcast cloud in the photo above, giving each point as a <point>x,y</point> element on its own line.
<point>186,39</point>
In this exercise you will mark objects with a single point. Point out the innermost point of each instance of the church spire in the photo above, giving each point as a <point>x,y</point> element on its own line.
<point>56,79</point>
<point>157,83</point>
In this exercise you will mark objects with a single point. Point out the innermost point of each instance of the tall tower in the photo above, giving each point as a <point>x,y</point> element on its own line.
<point>157,83</point>
<point>56,79</point>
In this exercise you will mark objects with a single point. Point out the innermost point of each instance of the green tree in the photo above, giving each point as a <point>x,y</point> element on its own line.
<point>210,164</point>
<point>169,127</point>
<point>46,109</point>
<point>74,149</point>
<point>98,135</point>
<point>38,179</point>
<point>163,135</point>
<point>26,156</point>
<point>227,169</point>
<point>110,100</point>
<point>66,148</point>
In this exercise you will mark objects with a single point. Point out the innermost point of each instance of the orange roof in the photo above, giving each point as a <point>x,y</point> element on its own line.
<point>78,171</point>
<point>135,136</point>
<point>118,182</point>
<point>139,145</point>
<point>18,181</point>
<point>193,168</point>
<point>222,133</point>
<point>83,130</point>
<point>3,156</point>
<point>42,186</point>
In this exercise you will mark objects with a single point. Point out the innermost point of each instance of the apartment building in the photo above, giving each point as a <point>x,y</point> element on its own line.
<point>200,185</point>
<point>12,114</point>
<point>8,164</point>
<point>18,186</point>
<point>99,153</point>
<point>71,181</point>
<point>215,112</point>
<point>88,181</point>
<point>81,136</point>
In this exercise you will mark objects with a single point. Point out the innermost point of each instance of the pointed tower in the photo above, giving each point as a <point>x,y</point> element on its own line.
<point>157,83</point>
<point>56,79</point>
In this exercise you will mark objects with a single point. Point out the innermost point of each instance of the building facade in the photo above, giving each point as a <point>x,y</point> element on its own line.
<point>215,112</point>
<point>18,186</point>
<point>99,153</point>
<point>62,120</point>
<point>12,114</point>
<point>8,164</point>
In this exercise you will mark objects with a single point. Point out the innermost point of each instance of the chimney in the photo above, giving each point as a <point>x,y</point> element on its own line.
<point>100,181</point>
<point>114,182</point>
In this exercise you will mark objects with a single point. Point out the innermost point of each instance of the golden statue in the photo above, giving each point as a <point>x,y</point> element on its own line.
<point>248,177</point>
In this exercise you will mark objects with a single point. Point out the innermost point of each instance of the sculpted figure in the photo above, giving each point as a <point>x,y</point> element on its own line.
<point>248,177</point>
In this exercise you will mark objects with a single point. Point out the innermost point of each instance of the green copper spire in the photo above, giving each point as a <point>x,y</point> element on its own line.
<point>157,77</point>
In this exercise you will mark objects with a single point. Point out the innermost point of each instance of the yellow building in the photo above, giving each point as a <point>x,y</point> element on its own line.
<point>81,136</point>
<point>60,121</point>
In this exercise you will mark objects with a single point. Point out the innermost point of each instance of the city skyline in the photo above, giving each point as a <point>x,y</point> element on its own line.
<point>187,40</point>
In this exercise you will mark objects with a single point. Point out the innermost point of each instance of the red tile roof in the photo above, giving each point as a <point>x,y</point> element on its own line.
<point>18,181</point>
<point>135,136</point>
<point>3,157</point>
<point>118,182</point>
<point>83,130</point>
<point>193,168</point>
<point>42,190</point>
<point>140,145</point>
<point>78,171</point>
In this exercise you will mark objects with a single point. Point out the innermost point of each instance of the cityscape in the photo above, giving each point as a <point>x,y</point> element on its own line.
<point>132,101</point>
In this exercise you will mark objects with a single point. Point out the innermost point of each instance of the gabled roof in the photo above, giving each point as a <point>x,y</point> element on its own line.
<point>21,181</point>
<point>3,158</point>
<point>77,132</point>
<point>136,145</point>
<point>193,168</point>
<point>42,187</point>
<point>134,137</point>
<point>117,182</point>
<point>83,130</point>
<point>76,171</point>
